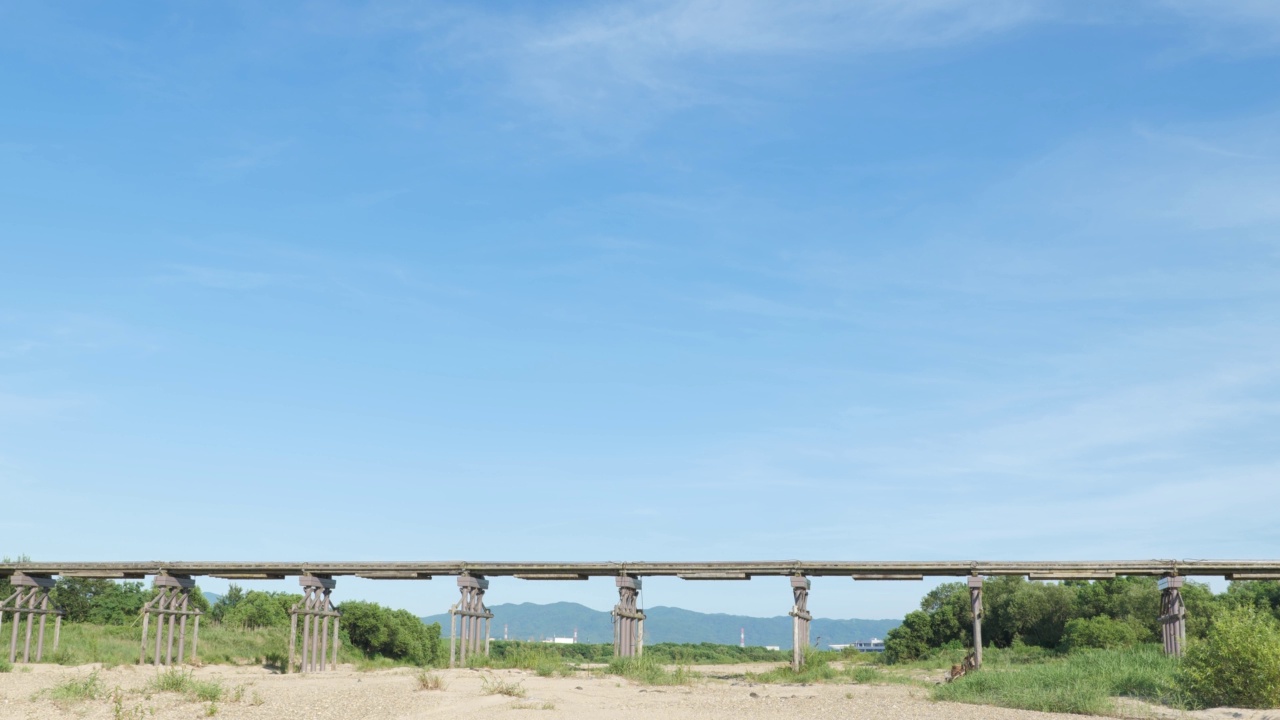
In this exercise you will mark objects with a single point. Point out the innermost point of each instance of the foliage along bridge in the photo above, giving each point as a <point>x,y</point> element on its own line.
<point>32,582</point>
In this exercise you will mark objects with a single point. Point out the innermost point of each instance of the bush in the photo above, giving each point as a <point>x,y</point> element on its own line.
<point>1238,662</point>
<point>911,640</point>
<point>261,610</point>
<point>1101,632</point>
<point>101,602</point>
<point>395,634</point>
<point>226,602</point>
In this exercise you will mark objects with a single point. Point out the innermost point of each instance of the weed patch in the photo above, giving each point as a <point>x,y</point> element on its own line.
<point>77,689</point>
<point>430,681</point>
<point>494,686</point>
<point>648,671</point>
<point>1081,683</point>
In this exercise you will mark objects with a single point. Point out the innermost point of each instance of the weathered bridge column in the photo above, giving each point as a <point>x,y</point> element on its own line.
<point>975,602</point>
<point>317,611</point>
<point>1173,615</point>
<point>171,603</point>
<point>800,619</point>
<point>473,617</point>
<point>628,619</point>
<point>30,597</point>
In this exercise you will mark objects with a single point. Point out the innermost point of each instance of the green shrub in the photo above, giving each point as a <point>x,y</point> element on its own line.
<point>1238,662</point>
<point>911,640</point>
<point>395,634</point>
<point>1083,682</point>
<point>228,600</point>
<point>101,602</point>
<point>261,609</point>
<point>1099,632</point>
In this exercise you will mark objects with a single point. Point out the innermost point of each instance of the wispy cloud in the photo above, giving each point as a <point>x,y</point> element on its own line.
<point>222,278</point>
<point>26,408</point>
<point>630,63</point>
<point>1234,28</point>
<point>1131,383</point>
<point>246,157</point>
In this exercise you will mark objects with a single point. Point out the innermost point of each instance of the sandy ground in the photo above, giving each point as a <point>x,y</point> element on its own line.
<point>392,694</point>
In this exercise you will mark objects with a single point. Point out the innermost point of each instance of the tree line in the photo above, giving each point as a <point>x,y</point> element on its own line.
<point>1064,616</point>
<point>376,630</point>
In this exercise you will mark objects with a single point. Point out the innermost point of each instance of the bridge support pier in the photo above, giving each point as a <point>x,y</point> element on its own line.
<point>1173,615</point>
<point>472,618</point>
<point>628,619</point>
<point>975,602</point>
<point>317,612</point>
<point>30,598</point>
<point>800,619</point>
<point>172,604</point>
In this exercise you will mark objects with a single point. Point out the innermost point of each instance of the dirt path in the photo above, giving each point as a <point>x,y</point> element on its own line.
<point>395,694</point>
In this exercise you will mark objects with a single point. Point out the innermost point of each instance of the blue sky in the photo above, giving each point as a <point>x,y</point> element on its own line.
<point>657,280</point>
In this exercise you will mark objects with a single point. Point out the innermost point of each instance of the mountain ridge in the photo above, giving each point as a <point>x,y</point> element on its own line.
<point>533,621</point>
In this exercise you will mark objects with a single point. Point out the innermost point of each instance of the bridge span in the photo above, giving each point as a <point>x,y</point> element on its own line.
<point>470,618</point>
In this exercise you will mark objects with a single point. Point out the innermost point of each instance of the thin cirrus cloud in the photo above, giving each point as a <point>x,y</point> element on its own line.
<point>621,69</point>
<point>1240,27</point>
<point>217,278</point>
<point>652,58</point>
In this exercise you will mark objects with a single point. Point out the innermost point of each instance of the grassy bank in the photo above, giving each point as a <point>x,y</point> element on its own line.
<point>672,653</point>
<point>112,645</point>
<point>829,667</point>
<point>1082,682</point>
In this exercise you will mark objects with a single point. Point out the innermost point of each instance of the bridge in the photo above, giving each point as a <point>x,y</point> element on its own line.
<point>470,618</point>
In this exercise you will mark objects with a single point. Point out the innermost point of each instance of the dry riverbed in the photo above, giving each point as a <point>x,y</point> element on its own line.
<point>250,692</point>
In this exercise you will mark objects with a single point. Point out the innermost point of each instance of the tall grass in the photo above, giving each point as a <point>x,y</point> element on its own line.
<point>1083,682</point>
<point>494,686</point>
<point>184,683</point>
<point>648,670</point>
<point>540,658</point>
<point>817,668</point>
<point>112,645</point>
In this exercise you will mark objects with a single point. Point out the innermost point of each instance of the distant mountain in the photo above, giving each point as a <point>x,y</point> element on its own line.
<point>529,621</point>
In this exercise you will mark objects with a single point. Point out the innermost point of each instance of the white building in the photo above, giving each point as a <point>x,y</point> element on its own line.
<point>872,645</point>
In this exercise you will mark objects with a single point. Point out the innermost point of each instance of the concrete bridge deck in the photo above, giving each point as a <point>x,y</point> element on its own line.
<point>713,570</point>
<point>469,632</point>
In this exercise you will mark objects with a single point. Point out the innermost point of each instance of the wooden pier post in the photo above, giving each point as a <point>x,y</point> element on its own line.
<point>627,617</point>
<point>800,619</point>
<point>1173,615</point>
<point>975,603</point>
